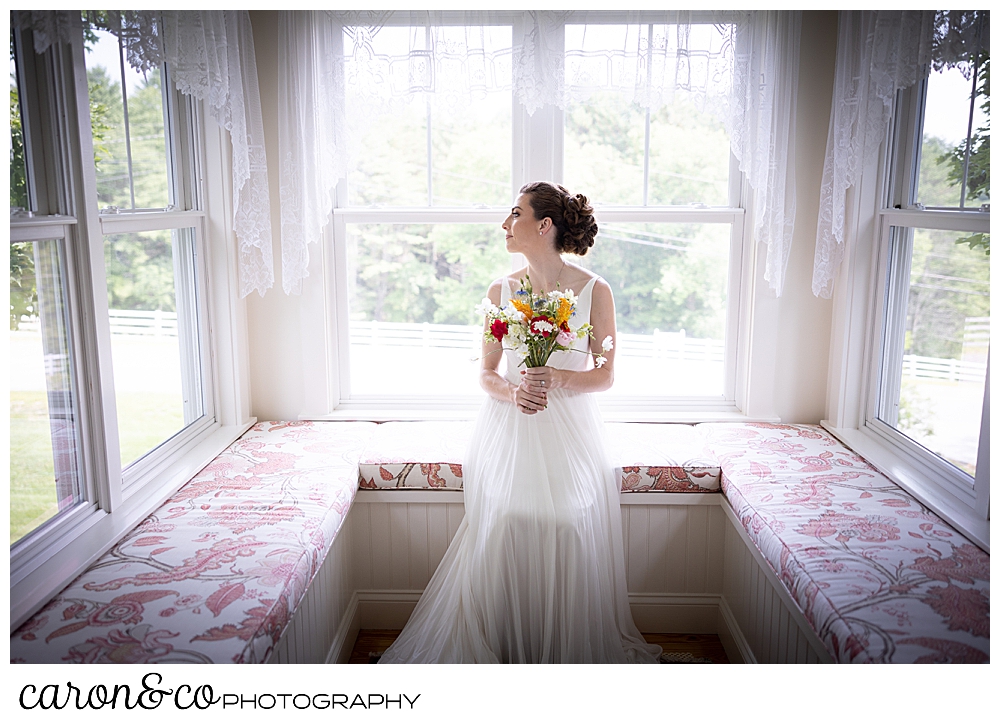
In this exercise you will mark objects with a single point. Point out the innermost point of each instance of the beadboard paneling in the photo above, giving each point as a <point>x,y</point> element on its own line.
<point>310,634</point>
<point>397,546</point>
<point>668,548</point>
<point>772,625</point>
<point>673,548</point>
<point>674,552</point>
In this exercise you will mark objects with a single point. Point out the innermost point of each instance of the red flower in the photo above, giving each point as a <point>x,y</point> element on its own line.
<point>498,329</point>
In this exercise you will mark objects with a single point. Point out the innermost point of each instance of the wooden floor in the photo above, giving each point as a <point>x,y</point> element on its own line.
<point>677,648</point>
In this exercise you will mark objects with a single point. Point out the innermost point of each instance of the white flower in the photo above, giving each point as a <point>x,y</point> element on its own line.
<point>599,361</point>
<point>486,308</point>
<point>542,327</point>
<point>608,343</point>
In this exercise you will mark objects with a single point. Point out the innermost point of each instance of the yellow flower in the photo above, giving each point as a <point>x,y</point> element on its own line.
<point>565,311</point>
<point>523,307</point>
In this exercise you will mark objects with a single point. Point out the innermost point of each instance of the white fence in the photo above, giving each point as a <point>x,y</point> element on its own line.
<point>943,369</point>
<point>660,345</point>
<point>126,322</point>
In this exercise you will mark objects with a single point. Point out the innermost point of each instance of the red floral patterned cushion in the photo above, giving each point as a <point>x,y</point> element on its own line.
<point>878,576</point>
<point>216,572</point>
<point>666,458</point>
<point>428,455</point>
<point>413,455</point>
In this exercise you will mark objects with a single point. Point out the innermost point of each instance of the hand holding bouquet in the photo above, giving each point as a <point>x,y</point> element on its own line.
<point>536,325</point>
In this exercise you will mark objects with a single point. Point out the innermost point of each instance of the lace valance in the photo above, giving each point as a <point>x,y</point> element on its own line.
<point>543,58</point>
<point>211,57</point>
<point>878,53</point>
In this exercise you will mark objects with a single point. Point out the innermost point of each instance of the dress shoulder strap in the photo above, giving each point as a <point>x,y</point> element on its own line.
<point>504,291</point>
<point>584,299</point>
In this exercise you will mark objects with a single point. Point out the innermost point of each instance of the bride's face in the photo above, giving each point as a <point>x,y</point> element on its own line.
<point>521,226</point>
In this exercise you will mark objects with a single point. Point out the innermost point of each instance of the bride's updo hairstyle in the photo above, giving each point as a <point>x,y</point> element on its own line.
<point>572,215</point>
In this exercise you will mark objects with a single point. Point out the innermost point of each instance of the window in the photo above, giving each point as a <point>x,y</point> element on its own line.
<point>46,476</point>
<point>928,392</point>
<point>114,375</point>
<point>150,259</point>
<point>438,163</point>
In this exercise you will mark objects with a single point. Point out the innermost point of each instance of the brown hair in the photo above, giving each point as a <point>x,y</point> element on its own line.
<point>572,215</point>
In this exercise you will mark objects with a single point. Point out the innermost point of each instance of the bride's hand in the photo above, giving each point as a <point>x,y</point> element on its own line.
<point>530,398</point>
<point>542,379</point>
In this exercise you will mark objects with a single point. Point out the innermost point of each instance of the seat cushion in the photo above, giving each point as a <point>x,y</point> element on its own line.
<point>668,458</point>
<point>879,576</point>
<point>428,455</point>
<point>415,455</point>
<point>215,574</point>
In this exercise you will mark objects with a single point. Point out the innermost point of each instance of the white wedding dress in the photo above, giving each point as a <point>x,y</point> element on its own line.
<point>536,571</point>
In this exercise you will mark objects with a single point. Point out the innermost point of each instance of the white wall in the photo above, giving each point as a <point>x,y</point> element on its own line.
<point>275,342</point>
<point>804,320</point>
<point>789,357</point>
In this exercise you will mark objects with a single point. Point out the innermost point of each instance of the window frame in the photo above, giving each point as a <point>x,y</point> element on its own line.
<point>62,179</point>
<point>537,152</point>
<point>884,199</point>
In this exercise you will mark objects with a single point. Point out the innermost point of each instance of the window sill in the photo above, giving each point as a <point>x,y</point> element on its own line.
<point>39,576</point>
<point>916,481</point>
<point>466,408</point>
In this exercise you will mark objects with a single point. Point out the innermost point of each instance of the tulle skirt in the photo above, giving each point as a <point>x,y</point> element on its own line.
<point>535,572</point>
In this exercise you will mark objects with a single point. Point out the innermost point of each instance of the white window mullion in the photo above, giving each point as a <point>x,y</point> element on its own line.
<point>89,276</point>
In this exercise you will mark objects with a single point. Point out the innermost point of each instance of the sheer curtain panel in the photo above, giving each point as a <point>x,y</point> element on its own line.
<point>210,56</point>
<point>762,128</point>
<point>878,53</point>
<point>742,66</point>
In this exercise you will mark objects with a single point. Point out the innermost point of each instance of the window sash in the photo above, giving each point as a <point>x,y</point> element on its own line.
<point>618,407</point>
<point>147,467</point>
<point>945,475</point>
<point>62,229</point>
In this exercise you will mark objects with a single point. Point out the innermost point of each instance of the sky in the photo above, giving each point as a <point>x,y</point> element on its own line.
<point>947,92</point>
<point>105,53</point>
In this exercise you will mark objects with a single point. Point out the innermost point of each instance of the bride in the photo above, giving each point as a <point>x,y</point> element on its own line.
<point>536,571</point>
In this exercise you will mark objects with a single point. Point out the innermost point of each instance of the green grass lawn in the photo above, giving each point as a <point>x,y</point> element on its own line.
<point>32,474</point>
<point>144,421</point>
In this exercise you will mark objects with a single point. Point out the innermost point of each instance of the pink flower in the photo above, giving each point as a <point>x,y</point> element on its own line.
<point>870,529</point>
<point>117,612</point>
<point>565,338</point>
<point>965,609</point>
<point>137,645</point>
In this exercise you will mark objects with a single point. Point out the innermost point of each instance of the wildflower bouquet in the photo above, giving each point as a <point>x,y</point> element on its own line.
<point>536,325</point>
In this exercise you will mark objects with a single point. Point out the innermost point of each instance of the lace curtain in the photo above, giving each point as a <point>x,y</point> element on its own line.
<point>878,53</point>
<point>743,66</point>
<point>762,128</point>
<point>211,57</point>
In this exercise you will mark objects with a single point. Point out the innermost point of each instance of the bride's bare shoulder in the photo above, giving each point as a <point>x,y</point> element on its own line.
<point>578,277</point>
<point>514,278</point>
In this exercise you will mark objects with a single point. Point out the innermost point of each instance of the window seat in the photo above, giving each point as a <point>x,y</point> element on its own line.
<point>878,576</point>
<point>218,572</point>
<point>215,574</point>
